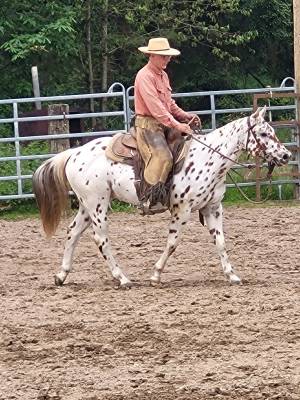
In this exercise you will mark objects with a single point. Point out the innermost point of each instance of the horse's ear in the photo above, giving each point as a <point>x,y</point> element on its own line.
<point>260,112</point>
<point>256,113</point>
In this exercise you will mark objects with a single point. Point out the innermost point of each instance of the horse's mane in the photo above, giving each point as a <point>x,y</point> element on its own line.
<point>223,127</point>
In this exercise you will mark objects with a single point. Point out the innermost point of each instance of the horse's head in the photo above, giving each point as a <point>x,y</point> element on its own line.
<point>262,140</point>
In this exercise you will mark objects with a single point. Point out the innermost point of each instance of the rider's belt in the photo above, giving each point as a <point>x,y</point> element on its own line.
<point>148,122</point>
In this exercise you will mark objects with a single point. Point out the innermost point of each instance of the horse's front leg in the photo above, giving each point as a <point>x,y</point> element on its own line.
<point>214,221</point>
<point>179,217</point>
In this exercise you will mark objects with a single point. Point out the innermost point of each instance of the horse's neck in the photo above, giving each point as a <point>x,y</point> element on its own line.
<point>229,139</point>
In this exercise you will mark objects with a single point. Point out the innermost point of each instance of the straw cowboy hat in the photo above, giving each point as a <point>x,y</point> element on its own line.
<point>159,46</point>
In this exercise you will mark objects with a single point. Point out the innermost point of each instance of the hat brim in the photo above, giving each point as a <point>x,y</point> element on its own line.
<point>169,52</point>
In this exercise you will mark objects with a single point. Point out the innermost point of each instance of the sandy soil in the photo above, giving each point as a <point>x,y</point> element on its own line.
<point>194,337</point>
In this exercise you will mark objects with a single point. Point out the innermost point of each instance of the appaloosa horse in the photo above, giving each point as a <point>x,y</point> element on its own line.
<point>200,185</point>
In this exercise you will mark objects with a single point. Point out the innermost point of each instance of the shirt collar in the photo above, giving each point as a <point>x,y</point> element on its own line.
<point>154,68</point>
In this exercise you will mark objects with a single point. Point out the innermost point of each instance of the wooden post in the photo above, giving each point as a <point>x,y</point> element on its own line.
<point>296,10</point>
<point>59,126</point>
<point>297,50</point>
<point>36,86</point>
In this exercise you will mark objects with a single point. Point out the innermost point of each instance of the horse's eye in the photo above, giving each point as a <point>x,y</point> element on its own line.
<point>264,134</point>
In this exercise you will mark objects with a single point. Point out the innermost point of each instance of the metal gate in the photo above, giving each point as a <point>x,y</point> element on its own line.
<point>10,132</point>
<point>118,105</point>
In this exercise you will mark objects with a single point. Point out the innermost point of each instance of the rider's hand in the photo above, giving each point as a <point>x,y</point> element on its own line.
<point>184,128</point>
<point>195,121</point>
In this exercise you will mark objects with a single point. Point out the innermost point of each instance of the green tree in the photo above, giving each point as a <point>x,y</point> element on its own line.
<point>85,45</point>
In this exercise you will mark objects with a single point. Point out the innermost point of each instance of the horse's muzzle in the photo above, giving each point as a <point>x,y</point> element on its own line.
<point>283,158</point>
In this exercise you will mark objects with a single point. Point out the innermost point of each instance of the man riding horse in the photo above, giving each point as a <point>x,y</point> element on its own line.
<point>156,113</point>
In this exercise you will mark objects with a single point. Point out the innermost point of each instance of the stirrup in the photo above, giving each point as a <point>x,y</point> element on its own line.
<point>158,208</point>
<point>147,209</point>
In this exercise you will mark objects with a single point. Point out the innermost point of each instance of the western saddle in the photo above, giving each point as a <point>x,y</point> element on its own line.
<point>123,148</point>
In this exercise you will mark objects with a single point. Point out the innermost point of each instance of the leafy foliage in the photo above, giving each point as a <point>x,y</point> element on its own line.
<point>225,44</point>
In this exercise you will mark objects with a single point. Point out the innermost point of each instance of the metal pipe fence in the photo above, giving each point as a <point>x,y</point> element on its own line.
<point>212,109</point>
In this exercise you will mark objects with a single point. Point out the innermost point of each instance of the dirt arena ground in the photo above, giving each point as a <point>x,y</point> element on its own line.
<point>194,337</point>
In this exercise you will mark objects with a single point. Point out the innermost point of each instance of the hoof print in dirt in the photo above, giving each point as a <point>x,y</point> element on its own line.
<point>155,283</point>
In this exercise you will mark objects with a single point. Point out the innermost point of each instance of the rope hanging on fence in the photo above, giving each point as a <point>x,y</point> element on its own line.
<point>248,198</point>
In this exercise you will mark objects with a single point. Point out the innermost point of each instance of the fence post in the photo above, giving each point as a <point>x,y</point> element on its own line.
<point>296,18</point>
<point>257,161</point>
<point>36,86</point>
<point>58,126</point>
<point>257,179</point>
<point>17,149</point>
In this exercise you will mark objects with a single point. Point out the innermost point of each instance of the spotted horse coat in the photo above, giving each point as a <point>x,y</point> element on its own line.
<point>200,185</point>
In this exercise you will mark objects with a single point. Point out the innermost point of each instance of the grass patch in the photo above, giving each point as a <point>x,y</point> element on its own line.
<point>267,204</point>
<point>9,168</point>
<point>286,192</point>
<point>120,206</point>
<point>21,209</point>
<point>18,209</point>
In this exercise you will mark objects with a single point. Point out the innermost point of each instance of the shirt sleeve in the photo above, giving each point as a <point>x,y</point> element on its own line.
<point>178,112</point>
<point>153,103</point>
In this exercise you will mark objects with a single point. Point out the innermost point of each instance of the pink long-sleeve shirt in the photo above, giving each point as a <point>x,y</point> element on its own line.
<point>152,97</point>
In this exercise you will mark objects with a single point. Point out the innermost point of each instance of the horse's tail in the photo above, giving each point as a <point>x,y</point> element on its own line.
<point>50,186</point>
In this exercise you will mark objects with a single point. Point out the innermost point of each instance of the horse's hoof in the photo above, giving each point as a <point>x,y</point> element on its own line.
<point>235,280</point>
<point>58,281</point>
<point>124,286</point>
<point>154,282</point>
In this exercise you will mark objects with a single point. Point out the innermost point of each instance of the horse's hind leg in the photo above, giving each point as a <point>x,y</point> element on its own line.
<point>75,229</point>
<point>100,227</point>
<point>214,221</point>
<point>180,217</point>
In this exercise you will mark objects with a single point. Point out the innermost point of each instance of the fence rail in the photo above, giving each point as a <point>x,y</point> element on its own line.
<point>118,118</point>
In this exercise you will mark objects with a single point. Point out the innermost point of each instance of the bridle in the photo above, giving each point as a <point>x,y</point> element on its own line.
<point>250,131</point>
<point>260,146</point>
